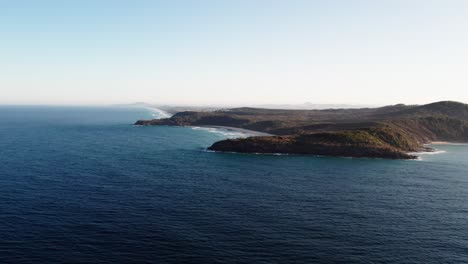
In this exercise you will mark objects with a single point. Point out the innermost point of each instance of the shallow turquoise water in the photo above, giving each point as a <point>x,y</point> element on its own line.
<point>84,185</point>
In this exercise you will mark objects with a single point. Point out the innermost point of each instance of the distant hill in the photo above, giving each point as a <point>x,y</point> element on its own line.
<point>310,106</point>
<point>444,109</point>
<point>388,132</point>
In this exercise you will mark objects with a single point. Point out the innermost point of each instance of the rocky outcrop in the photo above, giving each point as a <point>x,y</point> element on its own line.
<point>386,132</point>
<point>357,144</point>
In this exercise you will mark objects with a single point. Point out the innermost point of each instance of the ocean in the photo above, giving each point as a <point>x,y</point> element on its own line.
<point>83,185</point>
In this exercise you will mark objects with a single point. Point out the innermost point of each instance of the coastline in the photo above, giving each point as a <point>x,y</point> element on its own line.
<point>161,113</point>
<point>400,139</point>
<point>249,132</point>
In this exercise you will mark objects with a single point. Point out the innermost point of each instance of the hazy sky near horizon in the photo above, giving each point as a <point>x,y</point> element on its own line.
<point>233,52</point>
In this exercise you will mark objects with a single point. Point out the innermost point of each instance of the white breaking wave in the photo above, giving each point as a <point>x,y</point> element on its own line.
<point>425,153</point>
<point>428,152</point>
<point>158,113</point>
<point>250,153</point>
<point>224,132</point>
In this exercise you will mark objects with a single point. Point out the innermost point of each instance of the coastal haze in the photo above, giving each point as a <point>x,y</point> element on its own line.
<point>233,131</point>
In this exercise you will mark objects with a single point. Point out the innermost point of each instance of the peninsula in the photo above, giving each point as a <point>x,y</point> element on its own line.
<point>392,132</point>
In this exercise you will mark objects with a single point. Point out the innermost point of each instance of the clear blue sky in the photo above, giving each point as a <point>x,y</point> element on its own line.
<point>233,52</point>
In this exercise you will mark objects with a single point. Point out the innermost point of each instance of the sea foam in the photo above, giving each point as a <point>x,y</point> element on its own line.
<point>428,152</point>
<point>158,113</point>
<point>225,132</point>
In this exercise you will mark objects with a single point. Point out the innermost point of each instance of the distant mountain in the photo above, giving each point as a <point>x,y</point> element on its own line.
<point>386,132</point>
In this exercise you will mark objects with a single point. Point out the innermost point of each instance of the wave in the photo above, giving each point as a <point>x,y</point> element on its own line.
<point>224,132</point>
<point>158,113</point>
<point>428,152</point>
<point>250,153</point>
<point>424,153</point>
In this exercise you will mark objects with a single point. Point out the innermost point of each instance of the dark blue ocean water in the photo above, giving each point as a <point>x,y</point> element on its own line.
<point>82,185</point>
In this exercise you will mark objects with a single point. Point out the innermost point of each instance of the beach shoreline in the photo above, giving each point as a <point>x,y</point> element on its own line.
<point>239,130</point>
<point>446,143</point>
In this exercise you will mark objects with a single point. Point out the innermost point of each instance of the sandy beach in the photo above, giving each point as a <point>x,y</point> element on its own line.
<point>240,130</point>
<point>446,143</point>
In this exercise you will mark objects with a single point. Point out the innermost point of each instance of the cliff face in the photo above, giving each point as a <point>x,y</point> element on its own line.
<point>386,132</point>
